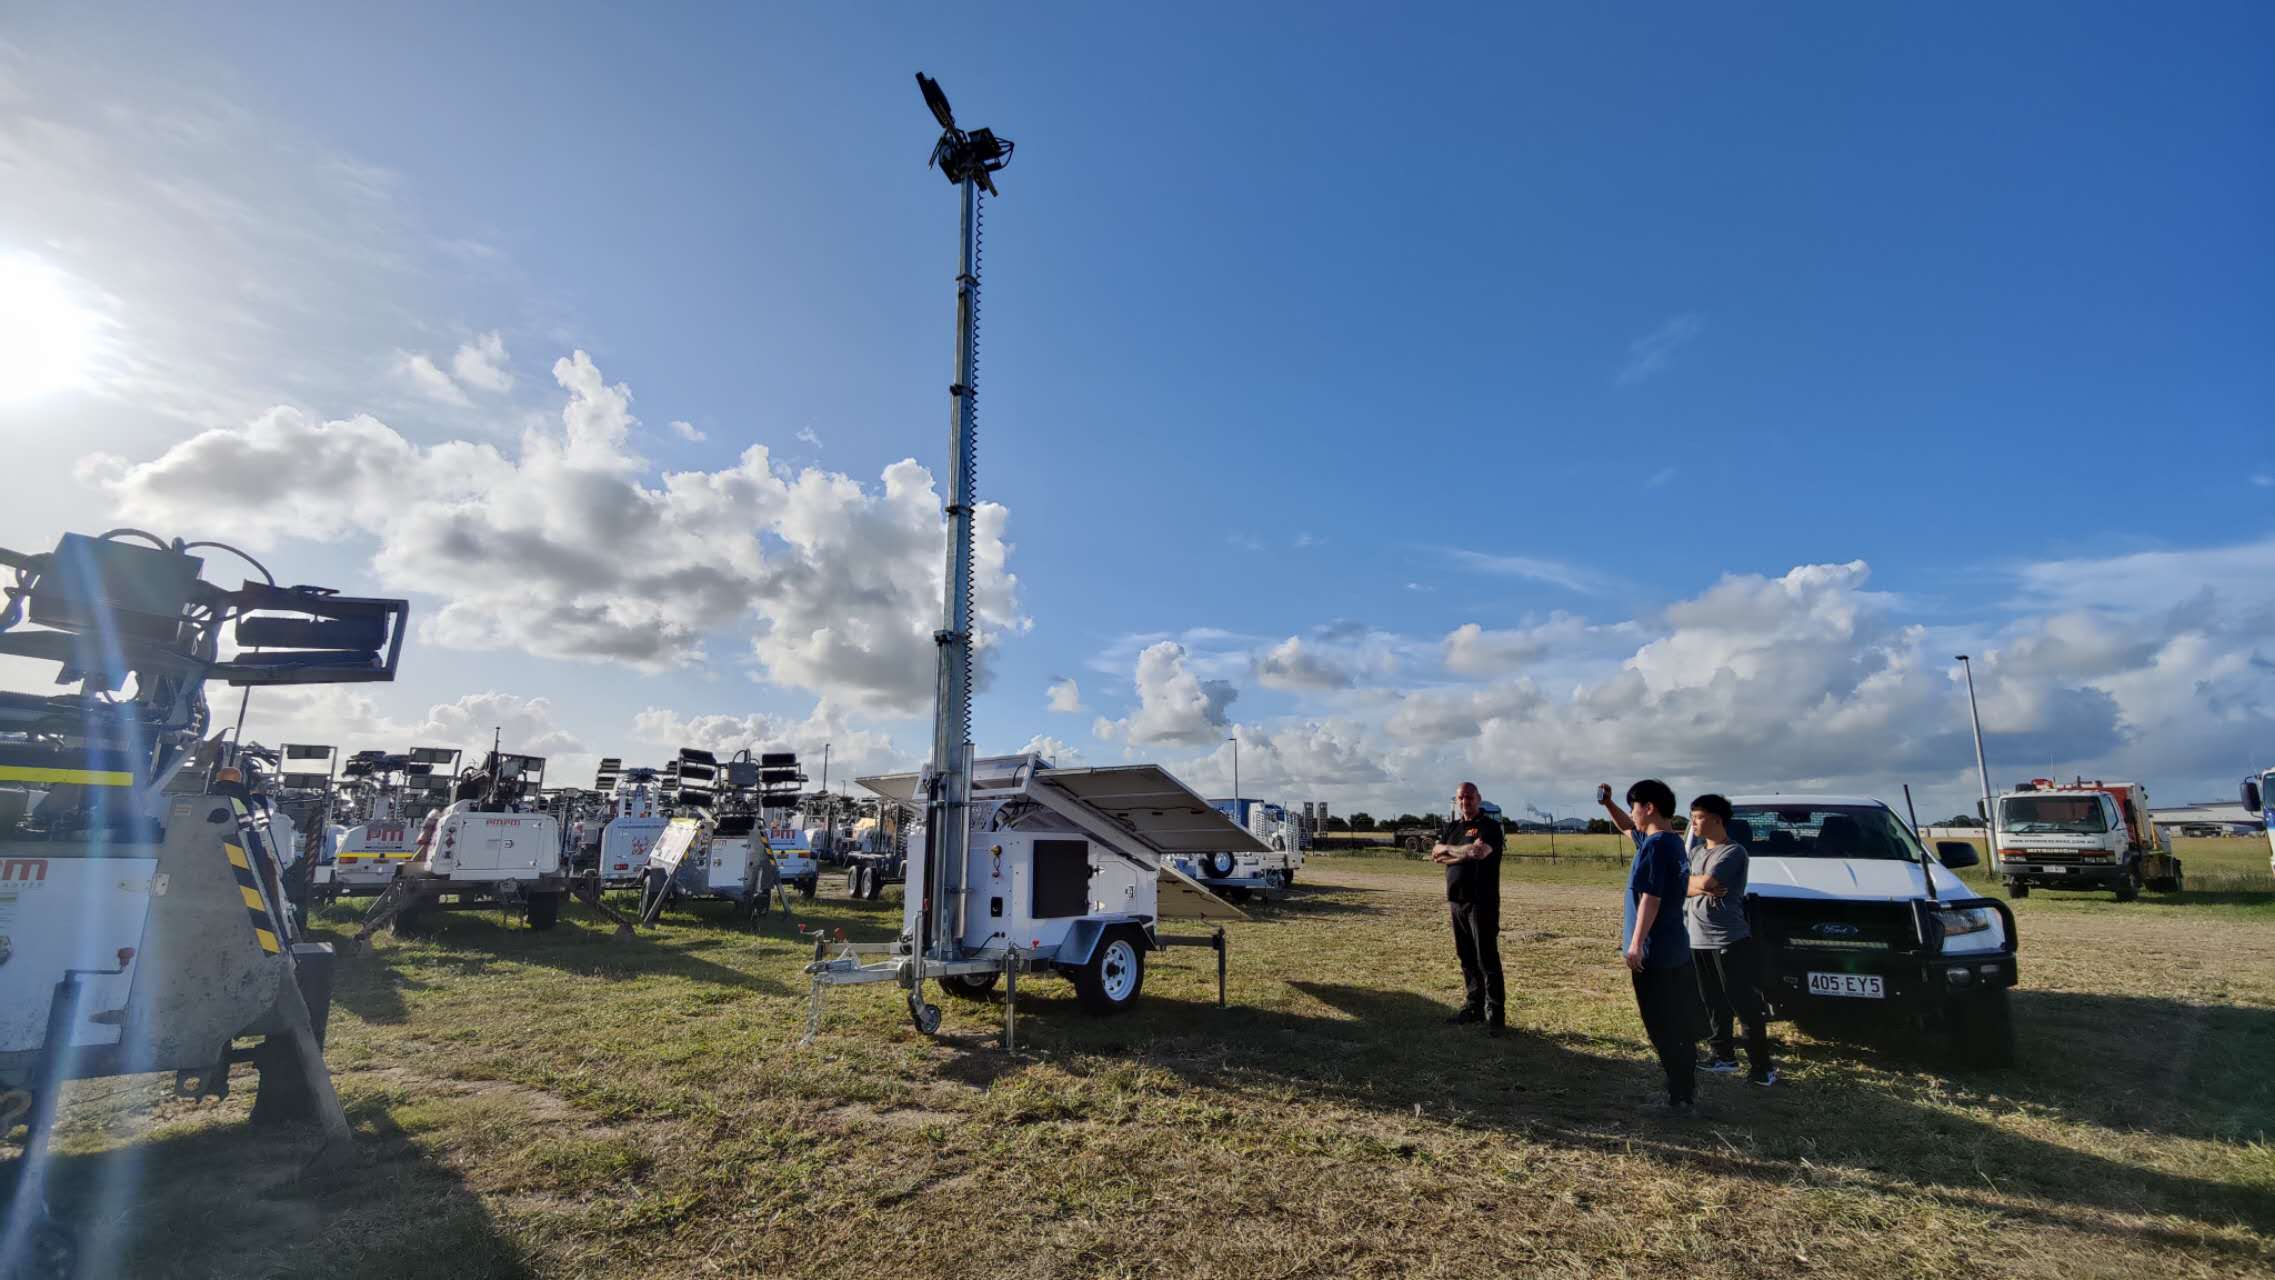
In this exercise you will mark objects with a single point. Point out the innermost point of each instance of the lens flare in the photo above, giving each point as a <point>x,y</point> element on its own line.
<point>47,337</point>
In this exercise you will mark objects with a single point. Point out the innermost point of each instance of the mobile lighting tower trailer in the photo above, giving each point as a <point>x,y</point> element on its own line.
<point>143,925</point>
<point>1068,878</point>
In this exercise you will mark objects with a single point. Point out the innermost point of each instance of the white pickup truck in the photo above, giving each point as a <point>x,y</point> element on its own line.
<point>1857,918</point>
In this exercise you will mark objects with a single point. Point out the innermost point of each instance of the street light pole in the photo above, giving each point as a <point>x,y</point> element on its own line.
<point>1238,815</point>
<point>1982,770</point>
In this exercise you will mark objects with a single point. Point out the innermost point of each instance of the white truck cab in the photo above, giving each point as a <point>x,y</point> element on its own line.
<point>2082,835</point>
<point>1856,917</point>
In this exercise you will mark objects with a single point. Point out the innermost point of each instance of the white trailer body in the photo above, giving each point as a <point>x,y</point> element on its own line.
<point>624,847</point>
<point>1066,870</point>
<point>471,847</point>
<point>369,854</point>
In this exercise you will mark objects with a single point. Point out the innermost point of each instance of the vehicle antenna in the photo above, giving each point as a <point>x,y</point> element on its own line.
<point>1927,869</point>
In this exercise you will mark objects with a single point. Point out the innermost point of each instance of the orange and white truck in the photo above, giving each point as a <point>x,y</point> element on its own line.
<point>2082,835</point>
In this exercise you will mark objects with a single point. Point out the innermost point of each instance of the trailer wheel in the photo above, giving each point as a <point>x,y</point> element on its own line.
<point>970,986</point>
<point>807,886</point>
<point>2017,890</point>
<point>1220,864</point>
<point>541,910</point>
<point>873,883</point>
<point>1114,975</point>
<point>1982,1029</point>
<point>2130,887</point>
<point>1415,844</point>
<point>853,881</point>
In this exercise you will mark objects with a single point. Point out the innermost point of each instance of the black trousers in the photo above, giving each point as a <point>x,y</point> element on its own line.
<point>1730,981</point>
<point>1663,997</point>
<point>1477,941</point>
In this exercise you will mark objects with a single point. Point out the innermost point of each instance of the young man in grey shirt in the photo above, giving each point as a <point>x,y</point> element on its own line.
<point>1726,956</point>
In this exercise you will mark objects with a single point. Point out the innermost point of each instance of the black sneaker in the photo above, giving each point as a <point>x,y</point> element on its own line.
<point>1465,1017</point>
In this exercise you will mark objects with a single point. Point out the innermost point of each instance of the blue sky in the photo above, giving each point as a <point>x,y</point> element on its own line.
<point>1301,323</point>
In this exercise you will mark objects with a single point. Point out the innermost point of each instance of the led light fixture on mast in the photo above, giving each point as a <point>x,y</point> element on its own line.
<point>968,160</point>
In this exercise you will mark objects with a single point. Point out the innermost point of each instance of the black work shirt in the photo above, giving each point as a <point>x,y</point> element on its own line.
<point>1479,879</point>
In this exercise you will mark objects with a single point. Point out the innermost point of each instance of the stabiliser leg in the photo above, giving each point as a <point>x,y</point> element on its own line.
<point>585,890</point>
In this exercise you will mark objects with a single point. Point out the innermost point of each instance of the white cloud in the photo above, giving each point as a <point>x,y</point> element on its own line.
<point>1647,356</point>
<point>1066,697</point>
<point>807,436</point>
<point>481,363</point>
<point>1555,573</point>
<point>687,431</point>
<point>1291,665</point>
<point>1174,704</point>
<point>431,381</point>
<point>570,549</point>
<point>1056,750</point>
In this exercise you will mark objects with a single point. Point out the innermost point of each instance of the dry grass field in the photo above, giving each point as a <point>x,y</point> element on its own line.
<point>563,1105</point>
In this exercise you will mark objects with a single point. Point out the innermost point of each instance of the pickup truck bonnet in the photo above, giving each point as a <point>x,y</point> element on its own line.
<point>1881,878</point>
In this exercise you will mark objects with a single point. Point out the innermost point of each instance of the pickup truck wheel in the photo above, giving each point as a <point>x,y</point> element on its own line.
<point>542,910</point>
<point>1982,1029</point>
<point>1114,975</point>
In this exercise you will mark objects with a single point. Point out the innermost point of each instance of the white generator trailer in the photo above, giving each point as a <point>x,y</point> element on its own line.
<point>720,846</point>
<point>487,849</point>
<point>143,925</point>
<point>1063,873</point>
<point>630,836</point>
<point>391,795</point>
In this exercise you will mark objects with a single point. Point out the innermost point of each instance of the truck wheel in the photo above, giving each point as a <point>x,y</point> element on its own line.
<point>2017,890</point>
<point>541,910</point>
<point>970,986</point>
<point>1982,1029</point>
<point>1114,975</point>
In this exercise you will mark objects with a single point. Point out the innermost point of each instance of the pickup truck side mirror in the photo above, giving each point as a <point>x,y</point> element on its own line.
<point>1955,854</point>
<point>2251,801</point>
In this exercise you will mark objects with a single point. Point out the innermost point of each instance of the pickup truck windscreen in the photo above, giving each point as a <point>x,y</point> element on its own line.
<point>2077,815</point>
<point>1822,831</point>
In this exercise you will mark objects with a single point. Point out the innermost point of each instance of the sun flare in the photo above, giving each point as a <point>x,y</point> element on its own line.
<point>47,337</point>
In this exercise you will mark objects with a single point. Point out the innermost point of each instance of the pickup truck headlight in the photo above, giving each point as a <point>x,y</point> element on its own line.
<point>1970,929</point>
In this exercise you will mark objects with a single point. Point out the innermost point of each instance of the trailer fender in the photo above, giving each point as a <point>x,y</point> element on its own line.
<point>1082,940</point>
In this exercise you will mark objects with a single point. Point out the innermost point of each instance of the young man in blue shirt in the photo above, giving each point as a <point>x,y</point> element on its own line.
<point>1654,941</point>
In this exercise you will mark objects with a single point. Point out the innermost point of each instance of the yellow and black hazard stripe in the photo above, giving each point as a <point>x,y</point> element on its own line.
<point>46,765</point>
<point>249,880</point>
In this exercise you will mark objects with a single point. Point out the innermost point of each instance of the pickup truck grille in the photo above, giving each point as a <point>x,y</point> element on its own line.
<point>1832,927</point>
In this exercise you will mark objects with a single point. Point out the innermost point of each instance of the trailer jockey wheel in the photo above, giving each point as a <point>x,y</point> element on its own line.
<point>925,1016</point>
<point>1111,979</point>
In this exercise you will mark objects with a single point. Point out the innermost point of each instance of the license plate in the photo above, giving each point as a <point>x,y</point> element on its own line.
<point>2059,871</point>
<point>1858,985</point>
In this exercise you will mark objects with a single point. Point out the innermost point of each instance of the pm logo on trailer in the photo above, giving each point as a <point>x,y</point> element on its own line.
<point>26,871</point>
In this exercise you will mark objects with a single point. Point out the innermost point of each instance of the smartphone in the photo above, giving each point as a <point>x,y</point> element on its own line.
<point>1603,793</point>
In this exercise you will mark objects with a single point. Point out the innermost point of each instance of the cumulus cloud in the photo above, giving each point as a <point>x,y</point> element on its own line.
<point>571,547</point>
<point>430,381</point>
<point>687,431</point>
<point>481,363</point>
<point>1066,697</point>
<point>1056,750</point>
<point>1174,704</point>
<point>1291,665</point>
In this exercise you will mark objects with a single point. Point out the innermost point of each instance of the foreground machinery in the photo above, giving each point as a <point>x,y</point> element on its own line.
<point>143,923</point>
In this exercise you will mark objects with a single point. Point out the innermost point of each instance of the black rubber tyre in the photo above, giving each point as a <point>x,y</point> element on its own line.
<point>1417,845</point>
<point>748,907</point>
<point>807,886</point>
<point>854,875</point>
<point>970,986</point>
<point>1114,976</point>
<point>1219,864</point>
<point>1982,1029</point>
<point>873,884</point>
<point>2018,891</point>
<point>541,910</point>
<point>2131,887</point>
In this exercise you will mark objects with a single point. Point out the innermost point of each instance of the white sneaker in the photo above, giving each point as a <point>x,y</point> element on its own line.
<point>1720,1067</point>
<point>1765,1081</point>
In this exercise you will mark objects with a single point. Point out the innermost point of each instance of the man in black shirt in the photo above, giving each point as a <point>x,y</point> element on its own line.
<point>1469,847</point>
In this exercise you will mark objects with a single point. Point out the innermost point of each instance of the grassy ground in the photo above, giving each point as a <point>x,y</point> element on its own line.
<point>560,1104</point>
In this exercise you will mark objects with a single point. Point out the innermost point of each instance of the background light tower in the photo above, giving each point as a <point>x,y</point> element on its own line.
<point>968,160</point>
